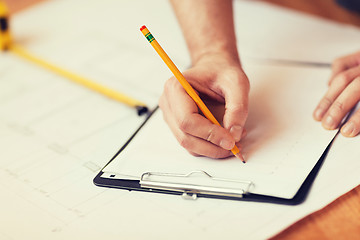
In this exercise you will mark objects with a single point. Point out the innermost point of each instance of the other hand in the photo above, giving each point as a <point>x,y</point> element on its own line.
<point>343,94</point>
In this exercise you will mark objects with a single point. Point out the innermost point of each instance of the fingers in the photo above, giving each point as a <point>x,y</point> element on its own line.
<point>197,146</point>
<point>338,101</point>
<point>340,82</point>
<point>194,132</point>
<point>343,94</point>
<point>342,64</point>
<point>342,105</point>
<point>200,127</point>
<point>352,127</point>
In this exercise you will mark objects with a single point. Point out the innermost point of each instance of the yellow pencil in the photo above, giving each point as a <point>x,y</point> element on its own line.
<point>5,38</point>
<point>185,83</point>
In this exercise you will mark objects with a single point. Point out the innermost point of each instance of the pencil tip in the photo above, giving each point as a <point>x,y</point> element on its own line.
<point>141,110</point>
<point>239,156</point>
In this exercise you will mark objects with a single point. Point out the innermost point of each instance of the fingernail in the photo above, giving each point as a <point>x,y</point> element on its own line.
<point>236,132</point>
<point>348,129</point>
<point>319,113</point>
<point>226,144</point>
<point>329,122</point>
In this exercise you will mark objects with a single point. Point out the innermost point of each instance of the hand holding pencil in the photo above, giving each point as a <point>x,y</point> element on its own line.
<point>180,103</point>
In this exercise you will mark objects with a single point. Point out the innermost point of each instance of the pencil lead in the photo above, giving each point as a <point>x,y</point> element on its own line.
<point>141,110</point>
<point>239,156</point>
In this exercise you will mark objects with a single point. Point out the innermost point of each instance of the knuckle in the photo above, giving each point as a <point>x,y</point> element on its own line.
<point>338,62</point>
<point>170,85</point>
<point>325,102</point>
<point>343,78</point>
<point>211,135</point>
<point>337,107</point>
<point>185,124</point>
<point>184,142</point>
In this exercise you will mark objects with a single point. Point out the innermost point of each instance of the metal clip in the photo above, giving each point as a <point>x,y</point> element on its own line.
<point>191,190</point>
<point>189,195</point>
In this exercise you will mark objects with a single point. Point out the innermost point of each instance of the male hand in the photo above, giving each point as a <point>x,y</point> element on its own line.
<point>220,79</point>
<point>343,94</point>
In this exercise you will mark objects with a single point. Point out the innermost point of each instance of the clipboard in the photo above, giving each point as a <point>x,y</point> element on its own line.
<point>155,182</point>
<point>284,154</point>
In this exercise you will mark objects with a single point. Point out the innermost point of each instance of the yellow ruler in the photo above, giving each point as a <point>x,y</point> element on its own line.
<point>7,45</point>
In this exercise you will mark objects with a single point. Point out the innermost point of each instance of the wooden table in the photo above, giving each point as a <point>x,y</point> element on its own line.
<point>341,218</point>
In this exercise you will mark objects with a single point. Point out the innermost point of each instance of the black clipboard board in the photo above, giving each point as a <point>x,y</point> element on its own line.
<point>189,193</point>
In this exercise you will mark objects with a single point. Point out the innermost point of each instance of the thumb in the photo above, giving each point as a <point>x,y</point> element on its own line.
<point>236,94</point>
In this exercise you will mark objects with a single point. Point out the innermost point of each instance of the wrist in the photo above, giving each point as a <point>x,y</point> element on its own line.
<point>230,58</point>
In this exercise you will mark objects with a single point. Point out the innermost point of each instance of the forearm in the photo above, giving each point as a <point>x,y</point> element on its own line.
<point>208,27</point>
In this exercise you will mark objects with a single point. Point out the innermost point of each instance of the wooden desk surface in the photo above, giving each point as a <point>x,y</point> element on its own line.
<point>341,218</point>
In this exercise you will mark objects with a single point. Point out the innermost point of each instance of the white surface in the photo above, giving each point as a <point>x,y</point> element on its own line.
<point>265,31</point>
<point>55,136</point>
